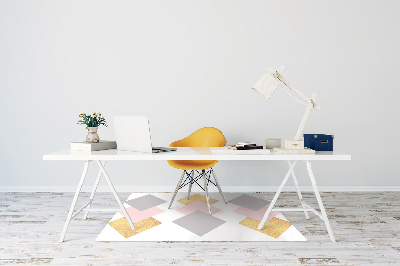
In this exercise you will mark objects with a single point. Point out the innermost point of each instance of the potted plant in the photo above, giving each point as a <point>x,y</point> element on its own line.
<point>92,123</point>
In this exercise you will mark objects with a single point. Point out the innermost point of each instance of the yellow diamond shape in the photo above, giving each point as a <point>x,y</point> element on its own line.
<point>122,226</point>
<point>196,197</point>
<point>274,227</point>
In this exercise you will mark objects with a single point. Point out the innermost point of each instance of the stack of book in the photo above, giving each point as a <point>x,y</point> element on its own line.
<point>245,146</point>
<point>240,148</point>
<point>98,146</point>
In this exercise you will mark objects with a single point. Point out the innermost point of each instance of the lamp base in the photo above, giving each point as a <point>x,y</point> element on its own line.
<point>293,151</point>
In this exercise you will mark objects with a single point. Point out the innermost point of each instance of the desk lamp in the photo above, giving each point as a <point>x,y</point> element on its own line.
<point>266,86</point>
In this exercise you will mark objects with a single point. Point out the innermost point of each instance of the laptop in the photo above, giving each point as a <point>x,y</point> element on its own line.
<point>133,134</point>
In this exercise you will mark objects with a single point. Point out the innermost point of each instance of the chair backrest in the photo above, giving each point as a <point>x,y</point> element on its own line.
<point>204,137</point>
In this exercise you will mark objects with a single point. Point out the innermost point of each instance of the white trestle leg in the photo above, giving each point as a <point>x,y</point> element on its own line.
<point>321,205</point>
<point>271,205</point>
<point>93,192</point>
<point>121,205</point>
<point>306,207</point>
<point>71,210</point>
<point>298,191</point>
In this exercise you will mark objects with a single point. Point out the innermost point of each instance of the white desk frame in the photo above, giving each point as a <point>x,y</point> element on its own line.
<point>194,154</point>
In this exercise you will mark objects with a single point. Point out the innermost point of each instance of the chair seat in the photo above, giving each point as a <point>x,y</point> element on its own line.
<point>192,164</point>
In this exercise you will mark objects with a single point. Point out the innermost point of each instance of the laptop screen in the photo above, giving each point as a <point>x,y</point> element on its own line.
<point>132,133</point>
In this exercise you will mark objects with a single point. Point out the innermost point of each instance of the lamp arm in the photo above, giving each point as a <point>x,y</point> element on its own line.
<point>293,88</point>
<point>305,117</point>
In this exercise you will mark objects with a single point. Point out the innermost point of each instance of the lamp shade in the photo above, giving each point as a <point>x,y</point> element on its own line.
<point>266,86</point>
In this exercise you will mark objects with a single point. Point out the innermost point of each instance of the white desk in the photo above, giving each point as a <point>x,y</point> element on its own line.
<point>194,154</point>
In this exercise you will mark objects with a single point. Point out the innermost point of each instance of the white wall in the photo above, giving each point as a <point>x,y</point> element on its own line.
<point>190,64</point>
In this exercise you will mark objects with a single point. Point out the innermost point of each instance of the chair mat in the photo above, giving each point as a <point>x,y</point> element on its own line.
<point>189,220</point>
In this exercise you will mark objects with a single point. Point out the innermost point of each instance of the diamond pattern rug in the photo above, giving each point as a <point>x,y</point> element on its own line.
<point>189,220</point>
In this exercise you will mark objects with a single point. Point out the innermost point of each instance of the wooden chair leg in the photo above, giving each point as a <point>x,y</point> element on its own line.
<point>206,190</point>
<point>190,184</point>
<point>219,187</point>
<point>177,188</point>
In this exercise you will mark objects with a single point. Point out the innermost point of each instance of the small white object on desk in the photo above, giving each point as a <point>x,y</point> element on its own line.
<point>294,144</point>
<point>271,143</point>
<point>98,146</point>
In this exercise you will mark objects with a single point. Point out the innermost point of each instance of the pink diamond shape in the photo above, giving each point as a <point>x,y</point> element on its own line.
<point>256,215</point>
<point>137,215</point>
<point>197,206</point>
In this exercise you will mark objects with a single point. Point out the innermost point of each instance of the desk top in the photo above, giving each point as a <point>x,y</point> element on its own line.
<point>186,153</point>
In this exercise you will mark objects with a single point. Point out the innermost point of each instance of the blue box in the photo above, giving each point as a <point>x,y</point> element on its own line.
<point>318,142</point>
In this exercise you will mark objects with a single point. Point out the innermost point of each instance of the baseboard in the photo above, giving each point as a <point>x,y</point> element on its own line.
<point>195,189</point>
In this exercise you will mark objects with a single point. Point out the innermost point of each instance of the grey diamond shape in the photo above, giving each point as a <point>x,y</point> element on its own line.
<point>199,222</point>
<point>250,202</point>
<point>145,202</point>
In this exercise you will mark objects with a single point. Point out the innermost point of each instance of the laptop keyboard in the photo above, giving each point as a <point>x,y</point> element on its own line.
<point>162,149</point>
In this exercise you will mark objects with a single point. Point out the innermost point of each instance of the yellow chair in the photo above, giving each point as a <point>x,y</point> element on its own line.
<point>204,137</point>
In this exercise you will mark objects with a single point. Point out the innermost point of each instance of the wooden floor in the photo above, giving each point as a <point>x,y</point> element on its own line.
<point>366,226</point>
